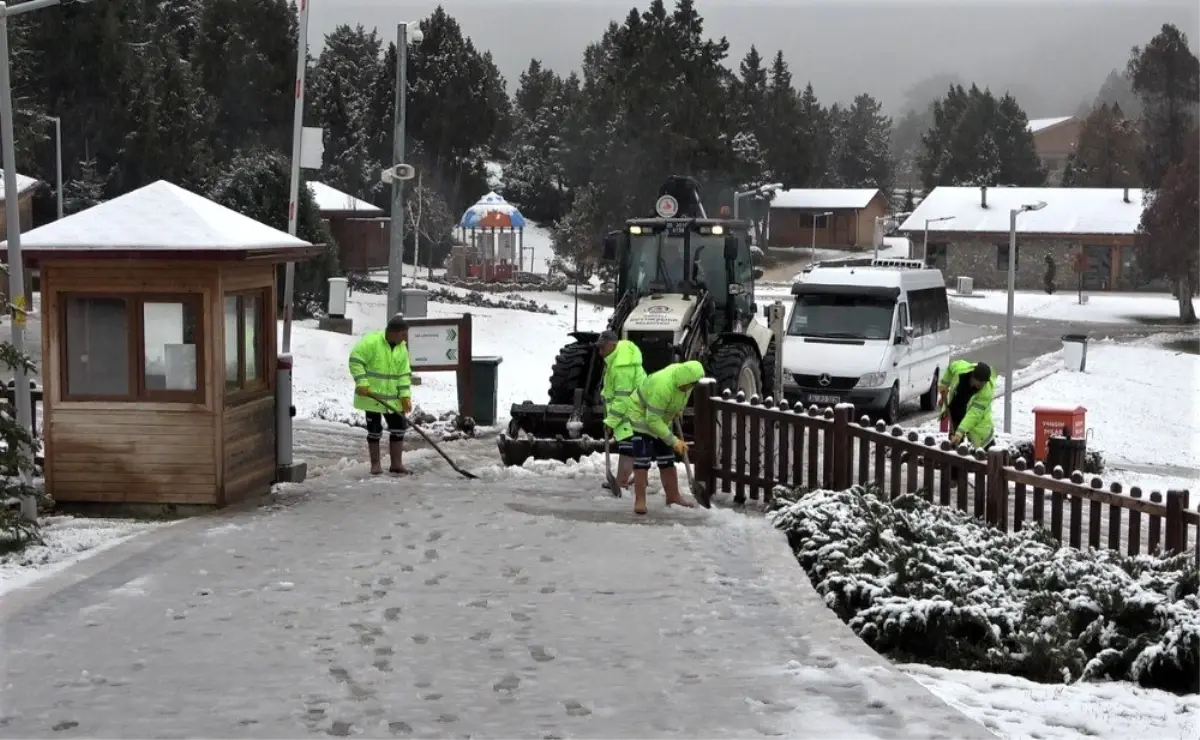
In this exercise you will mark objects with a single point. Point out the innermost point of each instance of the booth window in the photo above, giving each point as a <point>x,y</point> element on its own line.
<point>131,348</point>
<point>244,352</point>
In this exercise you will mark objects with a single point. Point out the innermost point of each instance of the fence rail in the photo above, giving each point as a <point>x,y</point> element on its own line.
<point>747,447</point>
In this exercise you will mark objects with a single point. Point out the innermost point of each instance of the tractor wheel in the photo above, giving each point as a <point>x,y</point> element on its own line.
<point>571,372</point>
<point>736,368</point>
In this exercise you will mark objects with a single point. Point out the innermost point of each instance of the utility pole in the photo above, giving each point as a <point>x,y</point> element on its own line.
<point>396,241</point>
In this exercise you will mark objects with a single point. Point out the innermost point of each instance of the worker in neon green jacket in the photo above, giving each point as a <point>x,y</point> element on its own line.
<point>657,403</point>
<point>623,374</point>
<point>965,394</point>
<point>381,370</point>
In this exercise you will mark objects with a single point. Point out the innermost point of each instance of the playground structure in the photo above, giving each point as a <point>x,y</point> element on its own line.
<point>491,242</point>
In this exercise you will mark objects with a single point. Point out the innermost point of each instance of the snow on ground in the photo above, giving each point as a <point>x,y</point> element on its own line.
<point>1141,403</point>
<point>1100,309</point>
<point>527,341</point>
<point>1017,709</point>
<point>68,540</point>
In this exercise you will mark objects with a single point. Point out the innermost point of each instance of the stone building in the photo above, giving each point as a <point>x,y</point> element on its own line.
<point>968,235</point>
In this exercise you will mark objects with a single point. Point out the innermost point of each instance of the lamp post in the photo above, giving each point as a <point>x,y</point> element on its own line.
<point>399,171</point>
<point>16,268</point>
<point>1012,294</point>
<point>925,244</point>
<point>760,190</point>
<point>812,250</point>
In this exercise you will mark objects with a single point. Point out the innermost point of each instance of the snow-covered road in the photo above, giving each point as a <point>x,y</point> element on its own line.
<point>527,604</point>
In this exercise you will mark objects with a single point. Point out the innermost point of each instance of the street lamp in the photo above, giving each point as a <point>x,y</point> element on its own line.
<point>16,268</point>
<point>760,190</point>
<point>925,245</point>
<point>1012,295</point>
<point>812,254</point>
<point>399,172</point>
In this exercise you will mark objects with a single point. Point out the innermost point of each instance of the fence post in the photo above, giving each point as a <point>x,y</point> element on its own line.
<point>705,435</point>
<point>997,490</point>
<point>1176,534</point>
<point>842,413</point>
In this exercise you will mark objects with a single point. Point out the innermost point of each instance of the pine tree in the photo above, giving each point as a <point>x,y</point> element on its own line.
<point>976,139</point>
<point>1117,90</point>
<point>1170,228</point>
<point>86,190</point>
<point>863,157</point>
<point>1106,155</point>
<point>1165,74</point>
<point>817,128</point>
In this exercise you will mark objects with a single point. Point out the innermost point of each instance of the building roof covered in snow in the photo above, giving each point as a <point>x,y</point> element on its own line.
<point>816,199</point>
<point>492,212</point>
<point>24,183</point>
<point>161,220</point>
<point>332,200</point>
<point>1037,125</point>
<point>1068,210</point>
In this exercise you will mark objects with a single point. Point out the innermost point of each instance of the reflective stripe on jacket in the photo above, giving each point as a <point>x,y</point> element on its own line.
<point>623,374</point>
<point>977,425</point>
<point>659,401</point>
<point>383,368</point>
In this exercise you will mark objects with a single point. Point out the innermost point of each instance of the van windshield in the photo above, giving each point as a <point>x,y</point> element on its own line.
<point>842,317</point>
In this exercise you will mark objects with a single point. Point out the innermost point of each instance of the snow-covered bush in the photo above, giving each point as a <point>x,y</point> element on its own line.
<point>1093,461</point>
<point>927,583</point>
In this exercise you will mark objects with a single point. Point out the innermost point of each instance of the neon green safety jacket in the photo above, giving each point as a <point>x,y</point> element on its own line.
<point>659,401</point>
<point>623,374</point>
<point>384,369</point>
<point>977,425</point>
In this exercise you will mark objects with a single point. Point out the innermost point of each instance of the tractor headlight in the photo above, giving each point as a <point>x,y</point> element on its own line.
<point>635,229</point>
<point>718,230</point>
<point>872,380</point>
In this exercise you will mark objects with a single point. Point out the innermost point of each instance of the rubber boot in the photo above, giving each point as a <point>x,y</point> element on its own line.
<point>396,451</point>
<point>376,457</point>
<point>641,479</point>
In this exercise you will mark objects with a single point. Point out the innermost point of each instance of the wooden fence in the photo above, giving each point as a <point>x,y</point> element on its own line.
<point>747,448</point>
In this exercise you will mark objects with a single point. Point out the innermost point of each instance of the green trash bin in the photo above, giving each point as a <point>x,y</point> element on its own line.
<point>485,374</point>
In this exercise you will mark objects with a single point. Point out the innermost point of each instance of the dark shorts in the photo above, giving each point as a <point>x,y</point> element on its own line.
<point>649,450</point>
<point>396,425</point>
<point>625,447</point>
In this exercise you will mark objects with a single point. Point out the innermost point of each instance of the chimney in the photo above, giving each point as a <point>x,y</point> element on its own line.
<point>983,196</point>
<point>1126,194</point>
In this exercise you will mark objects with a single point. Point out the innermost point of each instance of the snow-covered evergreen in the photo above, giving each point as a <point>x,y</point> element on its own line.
<point>923,582</point>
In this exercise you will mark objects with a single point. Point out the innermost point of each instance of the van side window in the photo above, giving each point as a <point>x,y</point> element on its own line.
<point>930,310</point>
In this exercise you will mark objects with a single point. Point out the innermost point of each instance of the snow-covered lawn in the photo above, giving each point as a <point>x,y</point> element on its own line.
<point>1017,709</point>
<point>67,541</point>
<point>1064,306</point>
<point>1142,406</point>
<point>527,342</point>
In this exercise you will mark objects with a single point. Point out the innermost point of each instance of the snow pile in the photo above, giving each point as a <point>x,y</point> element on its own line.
<point>928,583</point>
<point>64,540</point>
<point>1017,709</point>
<point>1065,306</point>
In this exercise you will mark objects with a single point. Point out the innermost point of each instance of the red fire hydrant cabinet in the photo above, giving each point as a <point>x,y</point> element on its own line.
<point>1056,421</point>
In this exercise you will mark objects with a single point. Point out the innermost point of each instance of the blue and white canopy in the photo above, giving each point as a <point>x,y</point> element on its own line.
<point>492,212</point>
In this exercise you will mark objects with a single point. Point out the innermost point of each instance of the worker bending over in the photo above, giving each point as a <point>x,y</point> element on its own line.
<point>623,374</point>
<point>657,403</point>
<point>383,389</point>
<point>965,395</point>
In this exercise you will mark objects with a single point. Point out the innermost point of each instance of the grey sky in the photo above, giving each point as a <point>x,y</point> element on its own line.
<point>1053,55</point>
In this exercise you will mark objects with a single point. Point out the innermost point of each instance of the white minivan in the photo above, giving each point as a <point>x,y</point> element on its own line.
<point>875,335</point>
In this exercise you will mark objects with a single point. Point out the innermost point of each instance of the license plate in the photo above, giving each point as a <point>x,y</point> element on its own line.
<point>822,400</point>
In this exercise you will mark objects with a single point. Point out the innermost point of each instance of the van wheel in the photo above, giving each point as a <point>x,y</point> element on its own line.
<point>891,412</point>
<point>929,397</point>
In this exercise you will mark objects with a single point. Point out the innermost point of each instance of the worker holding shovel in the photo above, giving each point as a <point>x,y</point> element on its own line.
<point>623,374</point>
<point>382,380</point>
<point>656,404</point>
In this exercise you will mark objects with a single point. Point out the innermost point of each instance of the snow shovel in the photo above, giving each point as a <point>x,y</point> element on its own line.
<point>699,494</point>
<point>453,465</point>
<point>609,479</point>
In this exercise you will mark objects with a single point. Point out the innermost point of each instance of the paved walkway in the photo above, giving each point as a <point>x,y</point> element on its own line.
<point>521,605</point>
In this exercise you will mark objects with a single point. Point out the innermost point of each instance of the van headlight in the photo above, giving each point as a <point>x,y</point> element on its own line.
<point>872,380</point>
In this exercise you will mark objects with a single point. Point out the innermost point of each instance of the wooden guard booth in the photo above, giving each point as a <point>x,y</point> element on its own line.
<point>159,350</point>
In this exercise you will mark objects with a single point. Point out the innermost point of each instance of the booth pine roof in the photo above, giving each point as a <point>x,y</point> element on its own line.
<point>159,217</point>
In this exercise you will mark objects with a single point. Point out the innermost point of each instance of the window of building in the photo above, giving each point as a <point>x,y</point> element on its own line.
<point>936,257</point>
<point>245,366</point>
<point>1002,257</point>
<point>132,348</point>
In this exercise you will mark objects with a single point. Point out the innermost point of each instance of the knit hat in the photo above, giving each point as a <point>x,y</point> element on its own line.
<point>606,336</point>
<point>982,372</point>
<point>397,324</point>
